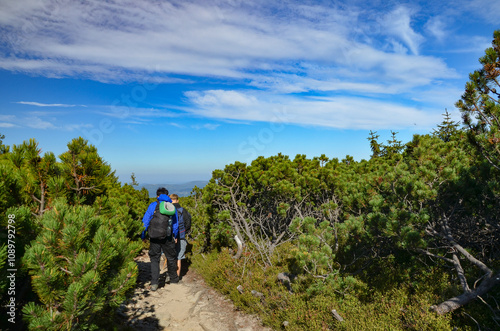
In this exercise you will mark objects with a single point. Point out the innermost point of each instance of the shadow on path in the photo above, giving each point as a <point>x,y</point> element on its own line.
<point>137,312</point>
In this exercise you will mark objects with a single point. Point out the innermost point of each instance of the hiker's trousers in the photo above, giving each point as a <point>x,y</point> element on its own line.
<point>166,245</point>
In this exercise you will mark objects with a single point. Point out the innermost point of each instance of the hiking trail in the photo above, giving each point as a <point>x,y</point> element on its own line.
<point>190,305</point>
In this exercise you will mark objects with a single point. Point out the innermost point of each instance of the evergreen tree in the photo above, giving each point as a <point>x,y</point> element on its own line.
<point>40,170</point>
<point>375,146</point>
<point>126,205</point>
<point>394,146</point>
<point>133,180</point>
<point>85,172</point>
<point>26,229</point>
<point>10,186</point>
<point>81,265</point>
<point>35,174</point>
<point>316,247</point>
<point>3,148</point>
<point>480,108</point>
<point>392,149</point>
<point>447,129</point>
<point>480,104</point>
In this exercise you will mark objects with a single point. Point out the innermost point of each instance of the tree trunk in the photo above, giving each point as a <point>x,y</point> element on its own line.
<point>454,303</point>
<point>42,199</point>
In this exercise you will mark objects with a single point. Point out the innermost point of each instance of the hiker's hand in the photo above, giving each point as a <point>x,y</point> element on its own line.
<point>176,240</point>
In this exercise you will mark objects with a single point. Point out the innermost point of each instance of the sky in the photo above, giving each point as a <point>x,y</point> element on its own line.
<point>172,90</point>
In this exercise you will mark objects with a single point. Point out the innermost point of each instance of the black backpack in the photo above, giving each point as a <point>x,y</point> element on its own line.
<point>160,225</point>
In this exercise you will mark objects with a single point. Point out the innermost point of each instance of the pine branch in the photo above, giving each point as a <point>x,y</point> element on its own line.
<point>78,189</point>
<point>425,252</point>
<point>129,276</point>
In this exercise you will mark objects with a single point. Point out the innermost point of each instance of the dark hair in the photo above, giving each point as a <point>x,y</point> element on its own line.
<point>161,191</point>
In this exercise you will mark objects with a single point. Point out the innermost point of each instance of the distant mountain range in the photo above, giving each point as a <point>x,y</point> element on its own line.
<point>182,190</point>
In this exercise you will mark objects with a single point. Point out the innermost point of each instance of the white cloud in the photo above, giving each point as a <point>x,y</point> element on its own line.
<point>7,118</point>
<point>123,40</point>
<point>38,104</point>
<point>206,126</point>
<point>440,97</point>
<point>76,127</point>
<point>436,27</point>
<point>488,10</point>
<point>135,114</point>
<point>474,44</point>
<point>40,120</point>
<point>215,98</point>
<point>177,125</point>
<point>397,24</point>
<point>8,121</point>
<point>38,123</point>
<point>332,112</point>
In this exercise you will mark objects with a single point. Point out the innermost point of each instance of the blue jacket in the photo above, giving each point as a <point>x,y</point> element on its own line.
<point>149,214</point>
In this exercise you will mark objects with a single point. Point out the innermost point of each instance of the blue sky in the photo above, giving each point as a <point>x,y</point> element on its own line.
<point>172,90</point>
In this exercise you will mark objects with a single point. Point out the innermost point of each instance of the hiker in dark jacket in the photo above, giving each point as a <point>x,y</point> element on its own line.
<point>184,229</point>
<point>166,245</point>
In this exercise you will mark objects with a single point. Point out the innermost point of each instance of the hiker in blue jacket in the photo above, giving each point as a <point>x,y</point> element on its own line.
<point>166,245</point>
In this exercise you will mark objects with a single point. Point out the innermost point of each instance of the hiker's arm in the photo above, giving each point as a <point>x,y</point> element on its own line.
<point>147,218</point>
<point>175,226</point>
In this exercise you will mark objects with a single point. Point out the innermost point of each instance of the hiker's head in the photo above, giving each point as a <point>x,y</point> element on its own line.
<point>174,197</point>
<point>161,191</point>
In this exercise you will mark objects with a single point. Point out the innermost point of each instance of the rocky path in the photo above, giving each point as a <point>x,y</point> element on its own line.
<point>190,305</point>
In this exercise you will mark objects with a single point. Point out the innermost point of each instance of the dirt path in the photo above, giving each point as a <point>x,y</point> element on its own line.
<point>190,305</point>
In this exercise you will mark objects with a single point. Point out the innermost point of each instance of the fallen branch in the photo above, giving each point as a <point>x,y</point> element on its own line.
<point>454,303</point>
<point>337,316</point>
<point>240,247</point>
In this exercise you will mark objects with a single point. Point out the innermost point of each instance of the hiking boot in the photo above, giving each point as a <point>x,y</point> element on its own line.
<point>154,287</point>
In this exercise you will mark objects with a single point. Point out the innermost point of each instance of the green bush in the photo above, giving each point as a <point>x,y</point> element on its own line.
<point>81,265</point>
<point>313,299</point>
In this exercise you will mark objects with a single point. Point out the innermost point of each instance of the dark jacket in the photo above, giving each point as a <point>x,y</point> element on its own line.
<point>186,220</point>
